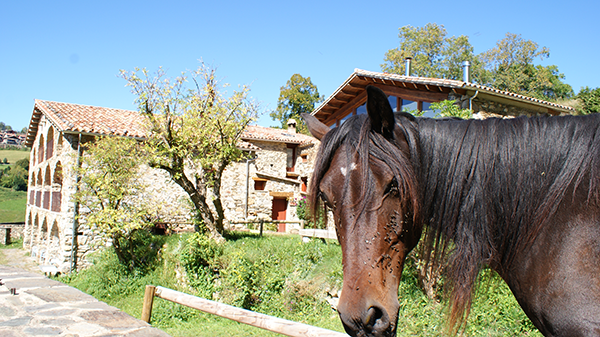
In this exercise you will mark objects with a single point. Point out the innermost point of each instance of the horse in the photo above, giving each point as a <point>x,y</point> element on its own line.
<point>519,196</point>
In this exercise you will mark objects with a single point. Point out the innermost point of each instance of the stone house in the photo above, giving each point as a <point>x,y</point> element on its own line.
<point>417,93</point>
<point>265,187</point>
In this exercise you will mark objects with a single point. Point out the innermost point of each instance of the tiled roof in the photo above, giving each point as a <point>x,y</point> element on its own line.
<point>454,84</point>
<point>246,146</point>
<point>255,132</point>
<point>77,118</point>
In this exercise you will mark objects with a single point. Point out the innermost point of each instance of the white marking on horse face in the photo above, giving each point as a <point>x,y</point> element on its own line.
<point>345,170</point>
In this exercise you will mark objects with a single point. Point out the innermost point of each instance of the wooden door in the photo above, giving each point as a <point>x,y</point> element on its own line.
<point>279,211</point>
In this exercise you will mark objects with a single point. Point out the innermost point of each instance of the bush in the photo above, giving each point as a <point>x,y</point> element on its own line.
<point>15,177</point>
<point>303,212</point>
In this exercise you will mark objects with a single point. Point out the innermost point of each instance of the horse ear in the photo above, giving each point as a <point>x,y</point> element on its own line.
<point>380,112</point>
<point>315,126</point>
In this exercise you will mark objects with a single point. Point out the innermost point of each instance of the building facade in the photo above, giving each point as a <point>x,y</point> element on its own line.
<point>263,187</point>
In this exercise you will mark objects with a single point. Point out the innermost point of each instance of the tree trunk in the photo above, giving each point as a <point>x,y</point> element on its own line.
<point>199,201</point>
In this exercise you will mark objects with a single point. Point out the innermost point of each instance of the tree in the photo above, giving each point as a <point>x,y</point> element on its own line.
<point>193,133</point>
<point>299,95</point>
<point>110,189</point>
<point>433,53</point>
<point>589,100</point>
<point>510,67</point>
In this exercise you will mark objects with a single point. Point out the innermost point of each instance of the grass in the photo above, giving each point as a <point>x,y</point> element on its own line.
<point>284,278</point>
<point>13,205</point>
<point>12,156</point>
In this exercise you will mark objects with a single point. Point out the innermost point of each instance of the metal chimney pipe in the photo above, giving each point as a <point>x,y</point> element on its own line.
<point>407,60</point>
<point>466,65</point>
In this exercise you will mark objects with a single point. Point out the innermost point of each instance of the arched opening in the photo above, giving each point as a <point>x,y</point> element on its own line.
<point>43,241</point>
<point>59,141</point>
<point>40,151</point>
<point>46,187</point>
<point>38,190</point>
<point>50,143</point>
<point>57,187</point>
<point>53,244</point>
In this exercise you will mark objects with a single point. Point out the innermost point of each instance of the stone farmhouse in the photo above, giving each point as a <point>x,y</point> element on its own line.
<point>11,138</point>
<point>263,188</point>
<point>407,92</point>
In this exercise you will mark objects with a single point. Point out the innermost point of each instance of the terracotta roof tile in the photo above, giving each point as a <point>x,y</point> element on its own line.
<point>255,132</point>
<point>92,119</point>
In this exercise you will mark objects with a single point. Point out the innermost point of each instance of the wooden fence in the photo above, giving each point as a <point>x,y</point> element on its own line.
<point>274,324</point>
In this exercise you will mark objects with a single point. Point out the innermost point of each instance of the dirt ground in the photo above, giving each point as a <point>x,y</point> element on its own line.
<point>17,257</point>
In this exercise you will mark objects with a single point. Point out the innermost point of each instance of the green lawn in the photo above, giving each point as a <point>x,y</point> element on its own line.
<point>12,205</point>
<point>12,155</point>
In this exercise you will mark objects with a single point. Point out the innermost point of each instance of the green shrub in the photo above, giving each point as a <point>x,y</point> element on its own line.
<point>199,258</point>
<point>303,212</point>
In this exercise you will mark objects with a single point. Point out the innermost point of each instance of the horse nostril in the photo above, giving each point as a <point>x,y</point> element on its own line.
<point>373,317</point>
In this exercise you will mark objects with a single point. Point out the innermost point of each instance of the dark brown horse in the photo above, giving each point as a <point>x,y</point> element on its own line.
<point>518,195</point>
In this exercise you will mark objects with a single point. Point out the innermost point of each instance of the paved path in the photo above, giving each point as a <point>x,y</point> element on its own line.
<point>44,307</point>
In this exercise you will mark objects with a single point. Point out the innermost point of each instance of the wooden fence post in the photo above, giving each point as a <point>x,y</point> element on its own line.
<point>148,300</point>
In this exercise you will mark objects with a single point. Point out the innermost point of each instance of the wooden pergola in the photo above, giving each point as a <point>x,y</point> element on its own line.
<point>352,94</point>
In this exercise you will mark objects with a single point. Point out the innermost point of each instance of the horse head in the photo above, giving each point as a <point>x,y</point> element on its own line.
<point>365,176</point>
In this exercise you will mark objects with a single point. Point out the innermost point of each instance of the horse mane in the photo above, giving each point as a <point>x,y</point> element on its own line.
<point>490,185</point>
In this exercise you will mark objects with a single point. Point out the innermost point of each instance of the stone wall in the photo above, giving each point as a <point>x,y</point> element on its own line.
<point>16,232</point>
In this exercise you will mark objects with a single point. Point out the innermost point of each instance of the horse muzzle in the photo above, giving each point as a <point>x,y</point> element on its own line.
<point>372,321</point>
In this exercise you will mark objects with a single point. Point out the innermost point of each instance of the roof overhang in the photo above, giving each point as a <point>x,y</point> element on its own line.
<point>352,94</point>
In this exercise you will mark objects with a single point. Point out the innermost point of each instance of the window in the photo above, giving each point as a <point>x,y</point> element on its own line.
<point>259,184</point>
<point>291,158</point>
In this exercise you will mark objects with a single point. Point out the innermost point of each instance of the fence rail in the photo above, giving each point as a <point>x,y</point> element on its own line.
<point>274,324</point>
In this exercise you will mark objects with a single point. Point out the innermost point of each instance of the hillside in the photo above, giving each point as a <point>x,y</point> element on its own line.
<point>12,205</point>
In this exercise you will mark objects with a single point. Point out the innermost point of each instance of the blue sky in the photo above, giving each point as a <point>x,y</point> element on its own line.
<point>71,51</point>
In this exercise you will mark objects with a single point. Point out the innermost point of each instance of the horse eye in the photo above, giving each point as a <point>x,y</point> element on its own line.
<point>325,199</point>
<point>392,188</point>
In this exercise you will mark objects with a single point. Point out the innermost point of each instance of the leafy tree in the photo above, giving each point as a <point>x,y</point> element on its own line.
<point>589,99</point>
<point>433,53</point>
<point>510,67</point>
<point>193,133</point>
<point>110,189</point>
<point>299,95</point>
